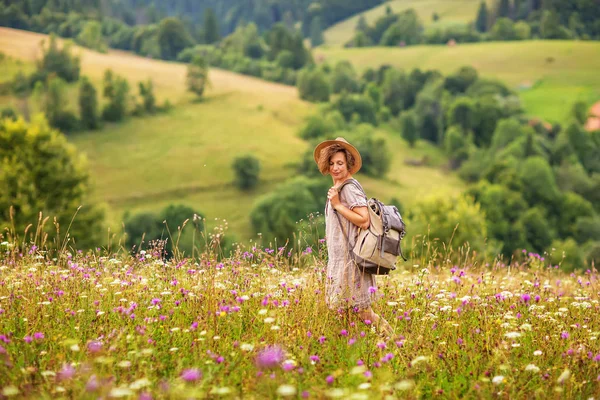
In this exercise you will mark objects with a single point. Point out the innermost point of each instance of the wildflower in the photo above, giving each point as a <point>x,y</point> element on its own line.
<point>532,368</point>
<point>525,298</point>
<point>286,390</point>
<point>191,375</point>
<point>67,372</point>
<point>92,384</point>
<point>155,301</point>
<point>537,353</point>
<point>512,335</point>
<point>564,335</point>
<point>564,376</point>
<point>28,339</point>
<point>497,379</point>
<point>270,357</point>
<point>314,359</point>
<point>329,379</point>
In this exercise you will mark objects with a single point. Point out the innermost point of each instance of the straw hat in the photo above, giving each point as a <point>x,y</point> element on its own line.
<point>344,143</point>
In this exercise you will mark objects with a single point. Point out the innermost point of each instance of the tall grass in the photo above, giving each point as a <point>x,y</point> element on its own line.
<point>108,323</point>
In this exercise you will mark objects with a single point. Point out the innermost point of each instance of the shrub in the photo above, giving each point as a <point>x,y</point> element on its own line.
<point>247,169</point>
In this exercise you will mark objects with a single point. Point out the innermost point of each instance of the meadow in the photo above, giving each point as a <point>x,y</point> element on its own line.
<point>450,12</point>
<point>256,326</point>
<point>184,156</point>
<point>549,76</point>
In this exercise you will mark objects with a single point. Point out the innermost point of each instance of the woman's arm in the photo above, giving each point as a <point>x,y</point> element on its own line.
<point>359,216</point>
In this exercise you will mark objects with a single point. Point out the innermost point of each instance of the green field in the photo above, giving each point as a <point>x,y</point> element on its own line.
<point>549,75</point>
<point>185,155</point>
<point>449,12</point>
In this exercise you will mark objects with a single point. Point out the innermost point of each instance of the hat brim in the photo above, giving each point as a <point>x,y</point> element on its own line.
<point>357,158</point>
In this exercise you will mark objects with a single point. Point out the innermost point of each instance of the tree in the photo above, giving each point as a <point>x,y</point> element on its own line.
<point>461,113</point>
<point>147,94</point>
<point>91,36</point>
<point>211,27</point>
<point>313,85</point>
<point>55,106</point>
<point>539,184</point>
<point>88,104</point>
<point>408,127</point>
<point>116,92</point>
<point>538,232</point>
<point>247,169</point>
<point>59,61</point>
<point>503,10</point>
<point>453,221</point>
<point>316,32</point>
<point>482,18</point>
<point>173,37</point>
<point>344,78</point>
<point>504,29</point>
<point>197,75</point>
<point>460,81</point>
<point>458,145</point>
<point>361,25</point>
<point>579,111</point>
<point>406,30</point>
<point>41,172</point>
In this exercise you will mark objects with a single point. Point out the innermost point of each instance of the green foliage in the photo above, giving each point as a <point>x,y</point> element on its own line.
<point>41,172</point>
<point>313,85</point>
<point>176,224</point>
<point>374,151</point>
<point>344,78</point>
<point>539,184</point>
<point>587,151</point>
<point>507,131</point>
<point>481,20</point>
<point>429,112</point>
<point>58,61</point>
<point>406,30</point>
<point>211,27</point>
<point>147,94</point>
<point>408,127</point>
<point>316,32</point>
<point>55,107</point>
<point>587,228</point>
<point>353,106</point>
<point>522,30</point>
<point>88,104</point>
<point>172,38</point>
<point>503,29</point>
<point>568,254</point>
<point>458,144</point>
<point>503,208</point>
<point>275,215</point>
<point>537,229</point>
<point>579,111</point>
<point>116,92</point>
<point>398,90</point>
<point>247,169</point>
<point>573,210</point>
<point>319,125</point>
<point>462,114</point>
<point>197,75</point>
<point>461,80</point>
<point>551,28</point>
<point>453,221</point>
<point>91,36</point>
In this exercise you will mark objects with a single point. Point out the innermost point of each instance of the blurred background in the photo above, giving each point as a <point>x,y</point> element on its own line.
<point>123,119</point>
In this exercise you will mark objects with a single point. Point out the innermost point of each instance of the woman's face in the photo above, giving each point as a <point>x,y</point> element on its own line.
<point>338,167</point>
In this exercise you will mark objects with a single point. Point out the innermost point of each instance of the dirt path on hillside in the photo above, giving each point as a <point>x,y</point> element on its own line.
<point>26,46</point>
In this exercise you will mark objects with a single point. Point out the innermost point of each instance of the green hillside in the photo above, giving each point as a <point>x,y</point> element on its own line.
<point>185,155</point>
<point>549,75</point>
<point>449,12</point>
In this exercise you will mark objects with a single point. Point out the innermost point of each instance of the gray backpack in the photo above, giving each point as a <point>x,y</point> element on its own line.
<point>377,248</point>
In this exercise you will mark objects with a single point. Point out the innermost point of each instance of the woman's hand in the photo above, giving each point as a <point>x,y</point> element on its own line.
<point>333,197</point>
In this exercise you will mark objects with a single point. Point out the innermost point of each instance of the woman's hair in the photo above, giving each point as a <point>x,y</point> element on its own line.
<point>328,152</point>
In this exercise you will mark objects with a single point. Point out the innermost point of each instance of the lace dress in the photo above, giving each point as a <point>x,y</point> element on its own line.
<point>346,286</point>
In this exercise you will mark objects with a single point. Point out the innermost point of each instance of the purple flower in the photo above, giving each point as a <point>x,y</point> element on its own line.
<point>94,346</point>
<point>191,375</point>
<point>525,297</point>
<point>155,301</point>
<point>459,341</point>
<point>344,332</point>
<point>67,372</point>
<point>145,396</point>
<point>38,336</point>
<point>92,384</point>
<point>564,335</point>
<point>322,339</point>
<point>329,379</point>
<point>315,359</point>
<point>351,341</point>
<point>28,339</point>
<point>372,289</point>
<point>270,357</point>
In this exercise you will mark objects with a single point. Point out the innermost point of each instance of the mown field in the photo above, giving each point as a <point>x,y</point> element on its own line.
<point>256,326</point>
<point>449,12</point>
<point>184,156</point>
<point>548,75</point>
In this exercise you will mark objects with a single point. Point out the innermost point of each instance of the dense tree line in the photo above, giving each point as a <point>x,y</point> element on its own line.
<point>506,20</point>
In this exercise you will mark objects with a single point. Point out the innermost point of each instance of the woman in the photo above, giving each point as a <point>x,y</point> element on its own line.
<point>346,285</point>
